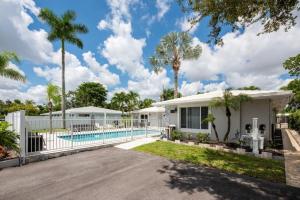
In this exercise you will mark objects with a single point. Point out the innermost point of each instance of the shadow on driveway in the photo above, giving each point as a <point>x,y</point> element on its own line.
<point>194,179</point>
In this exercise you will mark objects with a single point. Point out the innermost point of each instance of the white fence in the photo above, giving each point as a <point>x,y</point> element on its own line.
<point>40,135</point>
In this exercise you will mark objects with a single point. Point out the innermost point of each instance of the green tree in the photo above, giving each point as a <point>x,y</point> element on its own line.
<point>146,103</point>
<point>293,65</point>
<point>133,100</point>
<point>211,119</point>
<point>229,101</point>
<point>251,87</point>
<point>54,98</point>
<point>64,29</point>
<point>5,71</point>
<point>168,94</point>
<point>172,49</point>
<point>239,14</point>
<point>90,94</point>
<point>8,140</point>
<point>118,101</point>
<point>71,100</point>
<point>294,103</point>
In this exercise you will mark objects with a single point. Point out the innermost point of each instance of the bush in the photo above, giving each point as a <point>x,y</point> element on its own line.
<point>176,135</point>
<point>202,137</point>
<point>294,120</point>
<point>8,140</point>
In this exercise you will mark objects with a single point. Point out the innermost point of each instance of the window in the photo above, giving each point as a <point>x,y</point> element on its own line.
<point>83,115</point>
<point>192,117</point>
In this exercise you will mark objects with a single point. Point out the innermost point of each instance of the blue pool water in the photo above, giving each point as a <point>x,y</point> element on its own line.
<point>106,135</point>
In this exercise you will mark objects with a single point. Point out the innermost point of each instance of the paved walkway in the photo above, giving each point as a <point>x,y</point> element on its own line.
<point>291,157</point>
<point>138,142</point>
<point>116,174</point>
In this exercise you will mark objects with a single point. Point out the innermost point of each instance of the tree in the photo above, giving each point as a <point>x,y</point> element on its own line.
<point>146,103</point>
<point>8,140</point>
<point>90,94</point>
<point>229,101</point>
<point>168,94</point>
<point>251,87</point>
<point>118,101</point>
<point>5,71</point>
<point>211,119</point>
<point>239,14</point>
<point>293,65</point>
<point>62,28</point>
<point>71,99</point>
<point>294,103</point>
<point>172,49</point>
<point>54,98</point>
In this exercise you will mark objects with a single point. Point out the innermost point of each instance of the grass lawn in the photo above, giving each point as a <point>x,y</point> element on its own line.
<point>272,170</point>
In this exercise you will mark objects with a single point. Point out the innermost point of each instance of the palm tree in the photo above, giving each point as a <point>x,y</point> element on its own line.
<point>118,101</point>
<point>133,99</point>
<point>5,58</point>
<point>54,98</point>
<point>229,101</point>
<point>172,49</point>
<point>63,29</point>
<point>211,119</point>
<point>168,94</point>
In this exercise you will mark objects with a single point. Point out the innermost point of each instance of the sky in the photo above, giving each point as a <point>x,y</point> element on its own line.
<point>122,36</point>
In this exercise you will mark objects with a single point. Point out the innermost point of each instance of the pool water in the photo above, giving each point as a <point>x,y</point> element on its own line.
<point>106,135</point>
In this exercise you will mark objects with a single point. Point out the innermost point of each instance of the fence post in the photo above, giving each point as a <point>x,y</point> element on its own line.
<point>71,132</point>
<point>131,127</point>
<point>146,125</point>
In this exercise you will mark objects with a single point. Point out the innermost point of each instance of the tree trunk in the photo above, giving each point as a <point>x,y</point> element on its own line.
<point>228,115</point>
<point>63,87</point>
<point>175,84</point>
<point>215,130</point>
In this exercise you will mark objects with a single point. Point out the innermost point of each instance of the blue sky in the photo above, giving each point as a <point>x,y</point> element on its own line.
<point>122,35</point>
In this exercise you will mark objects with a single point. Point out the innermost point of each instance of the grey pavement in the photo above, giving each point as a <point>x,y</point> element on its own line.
<point>113,173</point>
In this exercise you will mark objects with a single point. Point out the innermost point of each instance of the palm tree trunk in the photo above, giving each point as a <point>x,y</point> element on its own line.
<point>63,87</point>
<point>215,130</point>
<point>50,117</point>
<point>228,114</point>
<point>175,84</point>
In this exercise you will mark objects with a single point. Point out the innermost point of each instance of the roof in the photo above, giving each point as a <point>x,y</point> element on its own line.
<point>153,109</point>
<point>206,97</point>
<point>88,109</point>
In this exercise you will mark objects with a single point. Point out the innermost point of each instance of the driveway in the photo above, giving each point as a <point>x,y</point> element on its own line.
<point>113,173</point>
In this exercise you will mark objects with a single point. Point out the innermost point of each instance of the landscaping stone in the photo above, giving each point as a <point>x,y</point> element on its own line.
<point>206,145</point>
<point>165,139</point>
<point>219,147</point>
<point>266,154</point>
<point>241,151</point>
<point>177,141</point>
<point>191,143</point>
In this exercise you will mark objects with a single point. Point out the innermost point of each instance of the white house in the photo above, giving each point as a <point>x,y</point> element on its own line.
<point>153,115</point>
<point>187,113</point>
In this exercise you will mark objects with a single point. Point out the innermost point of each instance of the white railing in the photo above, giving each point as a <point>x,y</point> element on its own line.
<point>42,135</point>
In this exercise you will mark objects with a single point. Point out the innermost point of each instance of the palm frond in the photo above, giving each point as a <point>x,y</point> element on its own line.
<point>80,28</point>
<point>69,15</point>
<point>12,74</point>
<point>74,40</point>
<point>48,16</point>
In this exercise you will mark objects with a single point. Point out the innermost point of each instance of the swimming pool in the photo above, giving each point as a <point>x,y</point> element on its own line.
<point>107,135</point>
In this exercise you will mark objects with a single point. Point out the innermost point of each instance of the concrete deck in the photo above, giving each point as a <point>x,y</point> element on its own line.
<point>113,173</point>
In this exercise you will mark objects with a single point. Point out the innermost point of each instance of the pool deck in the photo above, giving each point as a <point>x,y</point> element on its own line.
<point>136,143</point>
<point>116,174</point>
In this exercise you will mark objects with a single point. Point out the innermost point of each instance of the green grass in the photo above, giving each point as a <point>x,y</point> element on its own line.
<point>272,170</point>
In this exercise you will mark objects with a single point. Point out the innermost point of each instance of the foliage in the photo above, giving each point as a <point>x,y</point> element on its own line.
<point>229,101</point>
<point>294,103</point>
<point>294,120</point>
<point>211,119</point>
<point>272,170</point>
<point>251,87</point>
<point>239,14</point>
<point>90,94</point>
<point>202,137</point>
<point>168,94</point>
<point>53,95</point>
<point>172,49</point>
<point>125,101</point>
<point>64,29</point>
<point>146,103</point>
<point>8,139</point>
<point>293,65</point>
<point>5,70</point>
<point>176,135</point>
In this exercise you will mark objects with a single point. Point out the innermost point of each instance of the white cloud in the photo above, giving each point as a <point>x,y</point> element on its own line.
<point>215,86</point>
<point>193,88</point>
<point>184,25</point>
<point>246,58</point>
<point>102,25</point>
<point>15,34</point>
<point>162,6</point>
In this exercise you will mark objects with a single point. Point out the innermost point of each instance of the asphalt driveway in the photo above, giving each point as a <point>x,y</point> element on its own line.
<point>113,173</point>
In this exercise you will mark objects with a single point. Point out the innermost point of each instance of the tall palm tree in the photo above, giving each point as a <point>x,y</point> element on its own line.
<point>64,29</point>
<point>54,98</point>
<point>5,58</point>
<point>172,49</point>
<point>118,101</point>
<point>229,101</point>
<point>133,99</point>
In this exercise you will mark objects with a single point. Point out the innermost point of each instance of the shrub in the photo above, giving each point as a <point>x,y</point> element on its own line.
<point>8,139</point>
<point>294,120</point>
<point>176,135</point>
<point>202,137</point>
